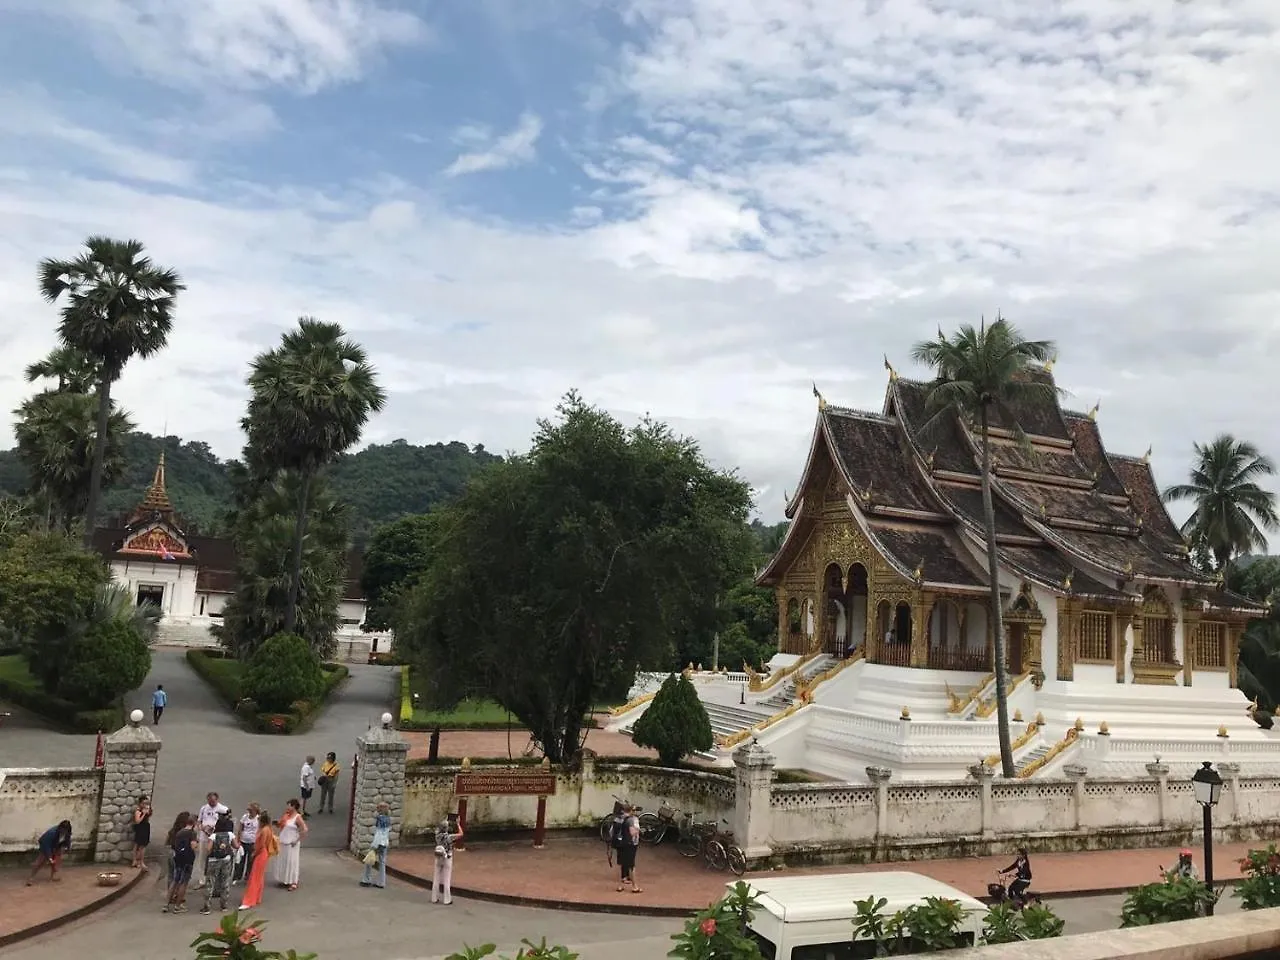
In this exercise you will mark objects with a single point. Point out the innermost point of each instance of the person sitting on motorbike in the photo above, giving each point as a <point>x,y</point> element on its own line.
<point>1021,868</point>
<point>1185,867</point>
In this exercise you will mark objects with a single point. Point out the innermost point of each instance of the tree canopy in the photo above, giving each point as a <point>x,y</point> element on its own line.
<point>394,561</point>
<point>558,571</point>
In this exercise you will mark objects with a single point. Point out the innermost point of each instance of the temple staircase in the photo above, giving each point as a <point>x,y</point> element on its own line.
<point>786,693</point>
<point>1031,756</point>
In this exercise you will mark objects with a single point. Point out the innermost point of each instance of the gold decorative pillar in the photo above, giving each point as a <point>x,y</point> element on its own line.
<point>1033,662</point>
<point>1190,627</point>
<point>1069,612</point>
<point>784,618</point>
<point>1234,632</point>
<point>921,604</point>
<point>1135,655</point>
<point>873,641</point>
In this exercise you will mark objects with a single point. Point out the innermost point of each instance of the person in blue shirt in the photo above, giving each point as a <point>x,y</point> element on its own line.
<point>54,842</point>
<point>159,700</point>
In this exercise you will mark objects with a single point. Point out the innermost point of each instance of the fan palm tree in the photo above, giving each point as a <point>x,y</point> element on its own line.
<point>980,373</point>
<point>310,399</point>
<point>1231,509</point>
<point>74,371</point>
<point>116,304</point>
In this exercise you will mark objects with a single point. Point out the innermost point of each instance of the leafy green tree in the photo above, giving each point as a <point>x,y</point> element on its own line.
<point>981,373</point>
<point>74,371</point>
<point>396,557</point>
<point>198,482</point>
<point>1232,510</point>
<point>555,570</point>
<point>116,304</point>
<point>111,648</point>
<point>310,400</point>
<point>281,672</point>
<point>48,584</point>
<point>264,537</point>
<point>676,723</point>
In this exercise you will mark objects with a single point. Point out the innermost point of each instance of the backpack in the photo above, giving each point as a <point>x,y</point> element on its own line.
<point>619,834</point>
<point>220,846</point>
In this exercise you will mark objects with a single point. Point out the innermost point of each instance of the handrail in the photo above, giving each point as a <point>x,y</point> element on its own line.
<point>1023,739</point>
<point>778,675</point>
<point>958,705</point>
<point>1071,737</point>
<point>632,704</point>
<point>804,696</point>
<point>987,707</point>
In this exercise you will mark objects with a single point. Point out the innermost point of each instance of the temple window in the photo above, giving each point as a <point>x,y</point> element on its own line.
<point>1211,645</point>
<point>151,593</point>
<point>1157,628</point>
<point>1097,637</point>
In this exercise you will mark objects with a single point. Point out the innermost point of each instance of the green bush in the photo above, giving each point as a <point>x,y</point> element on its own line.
<point>1005,924</point>
<point>928,927</point>
<point>1174,898</point>
<point>676,722</point>
<point>406,697</point>
<point>1260,887</point>
<point>222,673</point>
<point>108,661</point>
<point>720,931</point>
<point>281,671</point>
<point>19,687</point>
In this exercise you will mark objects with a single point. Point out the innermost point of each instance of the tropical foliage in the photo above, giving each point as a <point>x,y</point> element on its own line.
<point>1174,898</point>
<point>720,932</point>
<point>110,650</point>
<point>115,305</point>
<point>237,938</point>
<point>281,672</point>
<point>981,374</point>
<point>557,572</point>
<point>309,400</point>
<point>1232,512</point>
<point>394,560</point>
<point>676,723</point>
<point>1260,888</point>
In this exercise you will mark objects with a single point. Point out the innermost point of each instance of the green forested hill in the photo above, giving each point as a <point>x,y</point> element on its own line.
<point>380,483</point>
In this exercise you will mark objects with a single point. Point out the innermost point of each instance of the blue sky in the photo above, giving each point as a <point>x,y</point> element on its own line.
<point>693,208</point>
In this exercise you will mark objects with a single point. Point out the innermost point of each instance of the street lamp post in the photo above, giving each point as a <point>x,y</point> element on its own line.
<point>1208,788</point>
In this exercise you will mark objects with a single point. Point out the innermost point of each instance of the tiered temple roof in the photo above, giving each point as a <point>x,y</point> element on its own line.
<point>1062,502</point>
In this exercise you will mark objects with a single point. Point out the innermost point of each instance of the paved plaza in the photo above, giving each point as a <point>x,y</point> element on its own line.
<point>205,749</point>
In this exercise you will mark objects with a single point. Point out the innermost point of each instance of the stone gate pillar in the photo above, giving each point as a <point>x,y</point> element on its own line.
<point>753,774</point>
<point>129,772</point>
<point>381,755</point>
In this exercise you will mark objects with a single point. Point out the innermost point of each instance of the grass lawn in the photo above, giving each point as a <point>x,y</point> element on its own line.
<point>13,668</point>
<point>470,714</point>
<point>19,687</point>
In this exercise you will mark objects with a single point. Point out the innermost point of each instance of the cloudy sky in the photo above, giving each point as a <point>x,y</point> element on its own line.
<point>693,208</point>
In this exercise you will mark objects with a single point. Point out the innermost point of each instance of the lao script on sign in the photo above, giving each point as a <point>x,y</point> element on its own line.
<point>511,784</point>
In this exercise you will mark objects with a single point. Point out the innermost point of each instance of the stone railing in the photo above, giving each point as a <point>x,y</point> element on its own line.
<point>33,799</point>
<point>884,821</point>
<point>772,680</point>
<point>582,797</point>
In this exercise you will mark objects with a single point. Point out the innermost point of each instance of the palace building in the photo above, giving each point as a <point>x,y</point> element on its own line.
<point>1118,648</point>
<point>191,577</point>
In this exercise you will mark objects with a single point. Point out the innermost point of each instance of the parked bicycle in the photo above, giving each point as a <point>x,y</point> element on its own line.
<point>694,834</point>
<point>606,822</point>
<point>720,851</point>
<point>654,826</point>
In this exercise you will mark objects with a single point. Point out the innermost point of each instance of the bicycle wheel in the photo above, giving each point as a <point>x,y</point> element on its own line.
<point>688,845</point>
<point>717,859</point>
<point>651,828</point>
<point>737,860</point>
<point>606,827</point>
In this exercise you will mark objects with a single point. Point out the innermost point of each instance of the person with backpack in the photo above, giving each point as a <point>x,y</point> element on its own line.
<point>627,843</point>
<point>183,842</point>
<point>616,830</point>
<point>222,855</point>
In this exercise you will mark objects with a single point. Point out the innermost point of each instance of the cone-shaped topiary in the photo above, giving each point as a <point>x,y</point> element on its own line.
<point>676,723</point>
<point>282,671</point>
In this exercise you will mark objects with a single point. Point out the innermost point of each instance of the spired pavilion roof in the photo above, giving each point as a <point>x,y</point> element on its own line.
<point>1063,504</point>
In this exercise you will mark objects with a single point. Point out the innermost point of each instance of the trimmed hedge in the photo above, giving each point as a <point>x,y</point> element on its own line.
<point>406,699</point>
<point>223,674</point>
<point>61,712</point>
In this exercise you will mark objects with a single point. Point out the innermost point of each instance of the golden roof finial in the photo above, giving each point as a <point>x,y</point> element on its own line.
<point>1093,414</point>
<point>822,402</point>
<point>1066,584</point>
<point>1048,366</point>
<point>1146,457</point>
<point>1128,569</point>
<point>893,374</point>
<point>918,573</point>
<point>928,460</point>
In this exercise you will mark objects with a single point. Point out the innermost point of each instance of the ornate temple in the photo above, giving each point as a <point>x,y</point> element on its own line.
<point>190,577</point>
<point>1118,648</point>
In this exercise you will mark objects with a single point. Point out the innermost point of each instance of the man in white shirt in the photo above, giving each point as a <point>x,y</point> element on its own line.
<point>307,781</point>
<point>206,820</point>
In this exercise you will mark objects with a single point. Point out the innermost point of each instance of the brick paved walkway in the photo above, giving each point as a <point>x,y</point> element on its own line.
<point>571,872</point>
<point>77,893</point>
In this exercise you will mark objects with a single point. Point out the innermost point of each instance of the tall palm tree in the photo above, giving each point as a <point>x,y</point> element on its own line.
<point>310,399</point>
<point>982,372</point>
<point>116,304</point>
<point>1231,509</point>
<point>74,371</point>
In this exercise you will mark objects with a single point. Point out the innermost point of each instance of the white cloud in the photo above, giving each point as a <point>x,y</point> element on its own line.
<point>303,45</point>
<point>509,150</point>
<point>790,190</point>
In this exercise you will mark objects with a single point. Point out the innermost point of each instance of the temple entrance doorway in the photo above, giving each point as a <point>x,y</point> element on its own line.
<point>856,611</point>
<point>1016,642</point>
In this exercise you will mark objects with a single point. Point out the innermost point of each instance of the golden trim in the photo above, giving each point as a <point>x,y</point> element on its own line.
<point>804,696</point>
<point>958,705</point>
<point>777,675</point>
<point>1035,765</point>
<point>988,706</point>
<point>631,704</point>
<point>1022,740</point>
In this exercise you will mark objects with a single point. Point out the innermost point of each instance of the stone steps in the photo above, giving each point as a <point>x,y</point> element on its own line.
<point>1030,757</point>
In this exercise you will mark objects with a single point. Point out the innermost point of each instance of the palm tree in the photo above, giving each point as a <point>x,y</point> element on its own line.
<point>116,304</point>
<point>982,372</point>
<point>75,372</point>
<point>310,399</point>
<point>1231,509</point>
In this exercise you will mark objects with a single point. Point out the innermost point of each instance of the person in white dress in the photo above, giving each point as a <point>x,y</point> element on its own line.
<point>292,831</point>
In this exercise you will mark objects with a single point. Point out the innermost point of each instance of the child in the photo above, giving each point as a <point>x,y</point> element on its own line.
<point>54,842</point>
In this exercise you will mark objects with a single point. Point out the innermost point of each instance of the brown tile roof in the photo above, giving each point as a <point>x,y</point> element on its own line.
<point>1039,415</point>
<point>871,450</point>
<point>943,438</point>
<point>1125,555</point>
<point>1051,463</point>
<point>1048,567</point>
<point>1223,599</point>
<point>1040,501</point>
<point>1140,482</point>
<point>215,581</point>
<point>1089,448</point>
<point>966,500</point>
<point>933,550</point>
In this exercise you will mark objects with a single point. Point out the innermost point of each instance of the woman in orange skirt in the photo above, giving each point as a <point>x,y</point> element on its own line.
<point>264,848</point>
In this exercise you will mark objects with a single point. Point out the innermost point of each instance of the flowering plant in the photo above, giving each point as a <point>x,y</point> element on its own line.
<point>1260,887</point>
<point>234,940</point>
<point>720,931</point>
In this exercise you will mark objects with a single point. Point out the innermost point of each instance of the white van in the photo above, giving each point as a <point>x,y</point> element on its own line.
<point>811,917</point>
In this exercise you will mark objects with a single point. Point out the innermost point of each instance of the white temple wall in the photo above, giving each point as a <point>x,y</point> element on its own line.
<point>1048,604</point>
<point>178,581</point>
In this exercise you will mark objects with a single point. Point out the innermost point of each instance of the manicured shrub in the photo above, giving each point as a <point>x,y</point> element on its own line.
<point>108,660</point>
<point>283,670</point>
<point>1260,887</point>
<point>676,722</point>
<point>1174,898</point>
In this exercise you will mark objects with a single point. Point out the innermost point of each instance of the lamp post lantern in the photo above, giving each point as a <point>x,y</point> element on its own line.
<point>1208,790</point>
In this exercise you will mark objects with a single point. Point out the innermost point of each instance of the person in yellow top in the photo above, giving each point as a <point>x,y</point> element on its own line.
<point>328,780</point>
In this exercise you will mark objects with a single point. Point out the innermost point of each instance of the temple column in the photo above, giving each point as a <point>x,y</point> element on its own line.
<point>1234,632</point>
<point>921,604</point>
<point>1135,651</point>
<point>1121,620</point>
<point>1068,637</point>
<point>784,619</point>
<point>1190,626</point>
